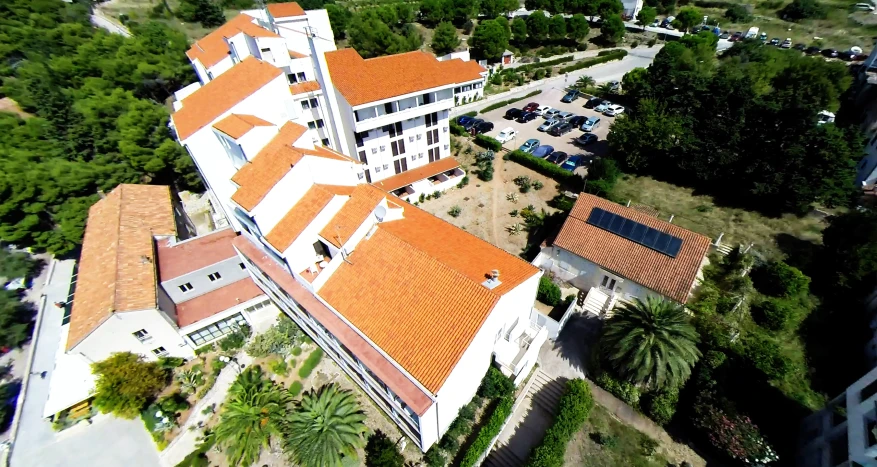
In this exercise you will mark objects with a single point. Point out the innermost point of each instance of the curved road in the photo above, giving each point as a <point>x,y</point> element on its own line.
<point>102,21</point>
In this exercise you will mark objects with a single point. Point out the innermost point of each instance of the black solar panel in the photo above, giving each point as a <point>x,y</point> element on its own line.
<point>636,232</point>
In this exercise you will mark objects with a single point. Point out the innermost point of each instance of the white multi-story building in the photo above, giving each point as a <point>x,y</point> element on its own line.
<point>412,308</point>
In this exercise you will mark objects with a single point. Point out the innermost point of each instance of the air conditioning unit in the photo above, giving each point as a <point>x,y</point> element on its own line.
<point>418,137</point>
<point>383,148</point>
<point>446,146</point>
<point>374,150</point>
<point>446,129</point>
<point>410,139</point>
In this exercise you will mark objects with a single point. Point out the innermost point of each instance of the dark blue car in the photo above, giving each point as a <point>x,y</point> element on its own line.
<point>572,162</point>
<point>542,151</point>
<point>462,120</point>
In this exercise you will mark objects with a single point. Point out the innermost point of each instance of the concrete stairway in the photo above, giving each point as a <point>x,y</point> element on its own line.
<point>595,301</point>
<point>531,419</point>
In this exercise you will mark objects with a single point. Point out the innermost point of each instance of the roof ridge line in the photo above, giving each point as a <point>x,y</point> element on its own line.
<point>116,247</point>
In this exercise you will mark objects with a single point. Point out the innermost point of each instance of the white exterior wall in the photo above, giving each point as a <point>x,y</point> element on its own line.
<point>116,334</point>
<point>418,148</point>
<point>282,197</point>
<point>301,254</point>
<point>279,54</point>
<point>251,317</point>
<point>586,274</point>
<point>473,90</point>
<point>333,172</point>
<point>200,71</point>
<point>256,139</point>
<point>219,68</point>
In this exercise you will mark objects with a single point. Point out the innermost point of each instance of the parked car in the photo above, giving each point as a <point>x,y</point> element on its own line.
<point>512,114</point>
<point>831,53</point>
<point>542,151</point>
<point>593,102</point>
<point>462,120</point>
<point>530,145</point>
<point>763,37</point>
<point>614,85</point>
<point>725,35</point>
<point>570,96</point>
<point>811,50</point>
<point>550,113</point>
<point>565,116</point>
<point>560,130</point>
<point>591,124</point>
<point>557,157</point>
<point>787,44</point>
<point>655,23</point>
<point>506,135</point>
<point>526,117</point>
<point>602,107</point>
<point>573,162</point>
<point>549,124</point>
<point>531,107</point>
<point>614,110</point>
<point>864,6</point>
<point>471,123</point>
<point>774,41</point>
<point>577,121</point>
<point>541,110</point>
<point>737,36</point>
<point>586,139</point>
<point>483,127</point>
<point>799,47</point>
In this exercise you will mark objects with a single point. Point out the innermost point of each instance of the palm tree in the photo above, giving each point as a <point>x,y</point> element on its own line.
<point>651,343</point>
<point>251,415</point>
<point>325,427</point>
<point>584,82</point>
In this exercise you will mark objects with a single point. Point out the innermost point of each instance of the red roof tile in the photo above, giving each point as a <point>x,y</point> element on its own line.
<point>363,200</point>
<point>204,306</point>
<point>298,218</point>
<point>671,277</point>
<point>303,87</point>
<point>237,125</point>
<point>178,258</point>
<point>285,10</point>
<point>212,48</point>
<point>413,175</point>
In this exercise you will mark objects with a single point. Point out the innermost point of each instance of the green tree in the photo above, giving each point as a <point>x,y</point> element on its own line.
<point>206,12</point>
<point>325,427</point>
<point>381,451</point>
<point>461,10</point>
<point>339,19</point>
<point>495,8</point>
<point>251,415</point>
<point>372,37</point>
<point>125,382</point>
<point>607,8</point>
<point>16,319</point>
<point>537,27</point>
<point>687,18</point>
<point>577,27</point>
<point>646,16</point>
<point>651,343</point>
<point>444,39</point>
<point>848,260</point>
<point>557,28</point>
<point>489,40</point>
<point>803,9</point>
<point>738,13</point>
<point>14,264</point>
<point>612,30</point>
<point>434,11</point>
<point>519,30</point>
<point>584,82</point>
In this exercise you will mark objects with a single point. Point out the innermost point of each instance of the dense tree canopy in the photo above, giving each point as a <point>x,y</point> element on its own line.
<point>586,7</point>
<point>612,30</point>
<point>382,31</point>
<point>125,383</point>
<point>444,39</point>
<point>489,40</point>
<point>743,126</point>
<point>100,119</point>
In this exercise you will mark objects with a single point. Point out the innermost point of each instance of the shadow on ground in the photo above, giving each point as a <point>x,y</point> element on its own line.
<point>568,356</point>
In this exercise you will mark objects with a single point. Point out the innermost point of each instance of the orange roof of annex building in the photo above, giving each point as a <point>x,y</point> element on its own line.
<point>285,10</point>
<point>671,277</point>
<point>361,81</point>
<point>407,178</point>
<point>212,48</point>
<point>179,258</point>
<point>414,287</point>
<point>218,96</point>
<point>237,125</point>
<point>117,263</point>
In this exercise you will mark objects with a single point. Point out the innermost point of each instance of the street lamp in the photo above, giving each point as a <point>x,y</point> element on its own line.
<point>232,360</point>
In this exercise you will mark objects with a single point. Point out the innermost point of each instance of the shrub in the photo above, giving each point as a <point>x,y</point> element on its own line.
<point>236,339</point>
<point>488,431</point>
<point>455,211</point>
<point>538,74</point>
<point>173,403</point>
<point>764,353</point>
<point>310,363</point>
<point>652,42</point>
<point>537,185</point>
<point>487,142</point>
<point>486,172</point>
<point>449,443</point>
<point>634,44</point>
<point>457,129</point>
<point>500,104</point>
<point>169,363</point>
<point>648,445</point>
<point>607,56</point>
<point>467,412</point>
<point>543,64</point>
<point>623,390</point>
<point>604,439</point>
<point>279,367</point>
<point>547,168</point>
<point>602,177</point>
<point>471,113</point>
<point>606,52</point>
<point>780,280</point>
<point>205,349</point>
<point>125,382</point>
<point>457,428</point>
<point>549,292</point>
<point>296,351</point>
<point>775,314</point>
<point>732,433</point>
<point>573,409</point>
<point>381,451</point>
<point>295,388</point>
<point>737,13</point>
<point>277,340</point>
<point>803,9</point>
<point>463,181</point>
<point>495,384</point>
<point>661,405</point>
<point>434,457</point>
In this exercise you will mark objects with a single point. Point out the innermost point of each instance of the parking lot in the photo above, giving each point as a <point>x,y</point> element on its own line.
<point>563,143</point>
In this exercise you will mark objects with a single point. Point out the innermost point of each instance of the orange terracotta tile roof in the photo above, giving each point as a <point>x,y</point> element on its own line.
<point>178,258</point>
<point>117,270</point>
<point>256,178</point>
<point>204,306</point>
<point>218,96</point>
<point>212,48</point>
<point>413,175</point>
<point>296,55</point>
<point>285,10</point>
<point>362,81</point>
<point>237,125</point>
<point>303,87</point>
<point>380,365</point>
<point>415,289</point>
<point>671,277</point>
<point>363,200</point>
<point>299,217</point>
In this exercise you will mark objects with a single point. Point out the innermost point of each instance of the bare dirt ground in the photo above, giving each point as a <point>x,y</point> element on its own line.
<point>9,105</point>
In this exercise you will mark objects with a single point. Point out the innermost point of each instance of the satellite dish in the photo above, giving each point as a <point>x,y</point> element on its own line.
<point>380,212</point>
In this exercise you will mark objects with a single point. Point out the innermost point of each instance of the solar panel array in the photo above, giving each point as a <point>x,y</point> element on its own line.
<point>636,232</point>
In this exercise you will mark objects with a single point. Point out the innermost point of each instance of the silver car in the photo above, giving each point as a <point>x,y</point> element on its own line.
<point>602,107</point>
<point>565,116</point>
<point>590,124</point>
<point>549,124</point>
<point>550,113</point>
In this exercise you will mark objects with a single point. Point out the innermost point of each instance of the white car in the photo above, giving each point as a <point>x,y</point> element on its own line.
<point>613,110</point>
<point>506,135</point>
<point>602,107</point>
<point>542,110</point>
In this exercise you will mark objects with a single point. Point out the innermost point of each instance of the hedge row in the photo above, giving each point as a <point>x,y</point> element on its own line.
<point>573,409</point>
<point>487,142</point>
<point>547,63</point>
<point>614,55</point>
<point>508,101</point>
<point>310,363</point>
<point>714,4</point>
<point>547,168</point>
<point>457,129</point>
<point>607,52</point>
<point>488,432</point>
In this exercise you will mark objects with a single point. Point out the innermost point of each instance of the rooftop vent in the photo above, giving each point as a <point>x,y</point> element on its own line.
<point>492,280</point>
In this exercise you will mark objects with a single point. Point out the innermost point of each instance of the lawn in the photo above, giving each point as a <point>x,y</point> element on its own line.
<point>628,449</point>
<point>701,214</point>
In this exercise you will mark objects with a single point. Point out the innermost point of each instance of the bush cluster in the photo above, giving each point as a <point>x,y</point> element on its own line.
<point>547,168</point>
<point>572,411</point>
<point>780,280</point>
<point>488,431</point>
<point>623,390</point>
<point>775,314</point>
<point>235,340</point>
<point>487,142</point>
<point>457,129</point>
<point>533,66</point>
<point>295,388</point>
<point>497,105</point>
<point>495,384</point>
<point>602,177</point>
<point>549,292</point>
<point>765,353</point>
<point>615,55</point>
<point>310,363</point>
<point>660,406</point>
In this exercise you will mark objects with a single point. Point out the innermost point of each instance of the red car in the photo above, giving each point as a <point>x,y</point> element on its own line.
<point>531,107</point>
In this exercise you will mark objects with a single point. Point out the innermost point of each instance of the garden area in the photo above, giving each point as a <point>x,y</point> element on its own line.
<point>604,441</point>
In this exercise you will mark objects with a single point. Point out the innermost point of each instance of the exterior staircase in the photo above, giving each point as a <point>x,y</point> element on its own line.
<point>537,410</point>
<point>595,301</point>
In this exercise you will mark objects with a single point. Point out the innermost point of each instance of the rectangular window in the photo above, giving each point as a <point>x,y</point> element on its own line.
<point>401,165</point>
<point>266,54</point>
<point>305,105</point>
<point>388,108</point>
<point>434,154</point>
<point>301,77</point>
<point>394,130</point>
<point>186,287</point>
<point>218,329</point>
<point>316,124</point>
<point>431,119</point>
<point>398,147</point>
<point>427,98</point>
<point>142,335</point>
<point>360,137</point>
<point>312,125</point>
<point>291,78</point>
<point>432,137</point>
<point>325,142</point>
<point>315,103</point>
<point>214,276</point>
<point>362,157</point>
<point>159,352</point>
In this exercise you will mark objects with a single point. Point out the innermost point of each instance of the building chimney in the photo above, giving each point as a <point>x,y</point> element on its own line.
<point>494,274</point>
<point>101,194</point>
<point>145,259</point>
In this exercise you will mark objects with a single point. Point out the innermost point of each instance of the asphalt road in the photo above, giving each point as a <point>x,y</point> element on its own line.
<point>100,20</point>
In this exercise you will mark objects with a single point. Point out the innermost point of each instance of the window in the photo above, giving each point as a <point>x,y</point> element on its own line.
<point>431,119</point>
<point>159,352</point>
<point>427,98</point>
<point>434,154</point>
<point>389,108</point>
<point>400,165</point>
<point>242,265</point>
<point>325,142</point>
<point>305,105</point>
<point>608,283</point>
<point>214,276</point>
<point>142,335</point>
<point>210,76</point>
<point>315,103</point>
<point>291,78</point>
<point>394,130</point>
<point>362,157</point>
<point>186,287</point>
<point>360,137</point>
<point>432,137</point>
<point>318,123</point>
<point>398,147</point>
<point>301,76</point>
<point>234,53</point>
<point>266,54</point>
<point>220,328</point>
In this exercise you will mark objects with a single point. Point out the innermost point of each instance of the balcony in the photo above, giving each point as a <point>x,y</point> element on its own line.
<point>371,122</point>
<point>516,351</point>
